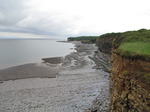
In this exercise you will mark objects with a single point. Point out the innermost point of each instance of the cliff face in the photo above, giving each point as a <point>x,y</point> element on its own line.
<point>130,73</point>
<point>105,44</point>
<point>129,92</point>
<point>105,41</point>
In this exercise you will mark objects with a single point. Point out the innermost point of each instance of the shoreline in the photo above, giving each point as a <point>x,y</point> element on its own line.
<point>31,51</point>
<point>70,85</point>
<point>49,66</point>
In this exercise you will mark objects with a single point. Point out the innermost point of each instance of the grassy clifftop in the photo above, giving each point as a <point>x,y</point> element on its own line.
<point>135,49</point>
<point>142,35</point>
<point>130,44</point>
<point>134,44</point>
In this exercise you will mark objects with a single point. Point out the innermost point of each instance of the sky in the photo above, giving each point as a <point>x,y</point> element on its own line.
<point>64,18</point>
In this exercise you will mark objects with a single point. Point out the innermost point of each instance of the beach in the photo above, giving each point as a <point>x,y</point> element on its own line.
<point>78,82</point>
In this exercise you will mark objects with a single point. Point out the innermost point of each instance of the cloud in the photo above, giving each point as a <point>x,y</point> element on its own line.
<point>9,35</point>
<point>11,11</point>
<point>48,24</point>
<point>2,17</point>
<point>50,17</point>
<point>73,17</point>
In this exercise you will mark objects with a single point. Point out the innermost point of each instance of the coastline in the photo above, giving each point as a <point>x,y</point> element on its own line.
<point>70,84</point>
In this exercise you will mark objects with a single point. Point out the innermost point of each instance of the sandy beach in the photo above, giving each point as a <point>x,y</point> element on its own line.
<point>78,82</point>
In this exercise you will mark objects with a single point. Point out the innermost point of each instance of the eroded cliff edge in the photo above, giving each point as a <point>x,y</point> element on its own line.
<point>130,90</point>
<point>130,73</point>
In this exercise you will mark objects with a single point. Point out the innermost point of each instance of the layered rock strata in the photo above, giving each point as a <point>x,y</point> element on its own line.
<point>130,91</point>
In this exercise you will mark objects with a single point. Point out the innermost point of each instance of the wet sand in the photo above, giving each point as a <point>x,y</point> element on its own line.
<point>53,60</point>
<point>61,84</point>
<point>32,70</point>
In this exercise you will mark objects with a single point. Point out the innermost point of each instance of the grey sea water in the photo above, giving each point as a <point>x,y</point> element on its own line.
<point>20,51</point>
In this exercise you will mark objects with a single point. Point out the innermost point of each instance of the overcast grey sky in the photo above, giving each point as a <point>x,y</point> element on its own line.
<point>71,17</point>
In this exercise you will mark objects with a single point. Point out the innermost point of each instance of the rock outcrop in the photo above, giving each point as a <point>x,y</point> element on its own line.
<point>129,92</point>
<point>130,75</point>
<point>105,44</point>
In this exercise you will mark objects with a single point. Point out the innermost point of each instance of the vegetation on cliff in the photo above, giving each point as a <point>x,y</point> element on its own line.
<point>134,44</point>
<point>141,35</point>
<point>84,39</point>
<point>104,42</point>
<point>135,49</point>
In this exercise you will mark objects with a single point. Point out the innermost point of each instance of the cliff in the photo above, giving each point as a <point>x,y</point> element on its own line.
<point>130,89</point>
<point>105,45</point>
<point>104,42</point>
<point>130,74</point>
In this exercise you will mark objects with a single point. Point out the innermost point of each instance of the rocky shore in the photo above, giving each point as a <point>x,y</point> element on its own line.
<point>78,82</point>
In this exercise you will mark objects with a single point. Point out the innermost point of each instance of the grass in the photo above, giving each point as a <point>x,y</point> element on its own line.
<point>142,35</point>
<point>135,49</point>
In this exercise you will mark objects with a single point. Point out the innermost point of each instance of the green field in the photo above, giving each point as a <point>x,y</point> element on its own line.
<point>135,49</point>
<point>134,44</point>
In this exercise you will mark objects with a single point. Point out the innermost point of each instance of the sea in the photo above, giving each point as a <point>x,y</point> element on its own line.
<point>15,52</point>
